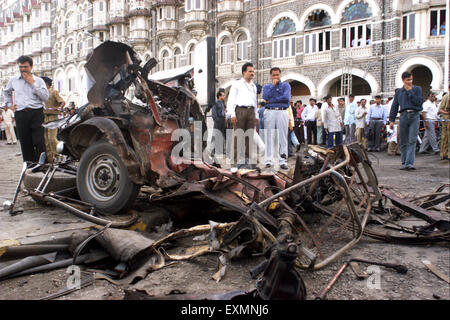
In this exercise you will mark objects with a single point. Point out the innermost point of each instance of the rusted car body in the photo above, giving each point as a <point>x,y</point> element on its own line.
<point>111,132</point>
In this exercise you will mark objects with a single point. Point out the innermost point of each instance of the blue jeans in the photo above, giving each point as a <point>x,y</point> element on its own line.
<point>331,143</point>
<point>409,128</point>
<point>292,141</point>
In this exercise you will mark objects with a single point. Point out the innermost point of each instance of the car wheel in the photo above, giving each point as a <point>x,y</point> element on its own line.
<point>102,179</point>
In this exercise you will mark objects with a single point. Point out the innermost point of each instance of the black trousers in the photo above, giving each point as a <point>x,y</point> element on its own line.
<point>311,131</point>
<point>30,133</point>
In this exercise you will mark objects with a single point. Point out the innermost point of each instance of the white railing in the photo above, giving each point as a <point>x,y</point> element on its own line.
<point>408,44</point>
<point>163,25</point>
<point>230,5</point>
<point>138,34</point>
<point>436,41</point>
<point>225,69</point>
<point>359,52</point>
<point>195,16</point>
<point>317,57</point>
<point>284,62</point>
<point>47,65</point>
<point>238,67</point>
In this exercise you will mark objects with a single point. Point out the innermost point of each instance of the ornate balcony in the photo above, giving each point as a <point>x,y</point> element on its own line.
<point>354,53</point>
<point>196,23</point>
<point>167,20</point>
<point>225,70</point>
<point>436,41</point>
<point>408,44</point>
<point>284,62</point>
<point>167,31</point>
<point>229,13</point>
<point>318,57</point>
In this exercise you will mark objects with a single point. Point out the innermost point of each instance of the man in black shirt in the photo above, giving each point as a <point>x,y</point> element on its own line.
<point>410,98</point>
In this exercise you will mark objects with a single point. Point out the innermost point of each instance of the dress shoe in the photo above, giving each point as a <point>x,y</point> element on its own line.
<point>284,167</point>
<point>268,165</point>
<point>410,168</point>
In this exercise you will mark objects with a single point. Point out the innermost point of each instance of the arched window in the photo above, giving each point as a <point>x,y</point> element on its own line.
<point>191,54</point>
<point>284,39</point>
<point>177,58</point>
<point>357,31</point>
<point>356,11</point>
<point>317,19</point>
<point>195,5</point>
<point>242,47</point>
<point>317,38</point>
<point>225,51</point>
<point>284,26</point>
<point>165,60</point>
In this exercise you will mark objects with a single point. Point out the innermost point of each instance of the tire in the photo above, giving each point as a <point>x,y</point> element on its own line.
<point>60,181</point>
<point>102,179</point>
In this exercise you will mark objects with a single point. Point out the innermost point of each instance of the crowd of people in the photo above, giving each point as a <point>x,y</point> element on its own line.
<point>394,123</point>
<point>31,101</point>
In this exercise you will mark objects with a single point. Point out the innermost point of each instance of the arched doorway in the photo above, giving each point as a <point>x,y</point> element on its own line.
<point>422,77</point>
<point>360,87</point>
<point>299,91</point>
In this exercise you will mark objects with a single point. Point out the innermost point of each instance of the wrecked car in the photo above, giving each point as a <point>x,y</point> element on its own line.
<point>122,144</point>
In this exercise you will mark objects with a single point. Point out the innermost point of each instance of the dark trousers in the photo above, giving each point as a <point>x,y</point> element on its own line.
<point>30,133</point>
<point>220,126</point>
<point>311,132</point>
<point>324,136</point>
<point>334,142</point>
<point>299,132</point>
<point>375,134</point>
<point>245,120</point>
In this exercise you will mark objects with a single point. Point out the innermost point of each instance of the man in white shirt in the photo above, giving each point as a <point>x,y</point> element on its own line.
<point>430,114</point>
<point>8,120</point>
<point>360,122</point>
<point>309,116</point>
<point>332,123</point>
<point>243,111</point>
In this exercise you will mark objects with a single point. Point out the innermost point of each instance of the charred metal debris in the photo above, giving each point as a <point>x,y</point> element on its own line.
<point>125,180</point>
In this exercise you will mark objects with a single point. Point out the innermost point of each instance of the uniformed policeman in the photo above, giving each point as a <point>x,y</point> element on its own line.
<point>53,108</point>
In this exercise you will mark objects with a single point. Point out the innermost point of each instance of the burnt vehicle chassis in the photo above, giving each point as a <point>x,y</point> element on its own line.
<point>112,135</point>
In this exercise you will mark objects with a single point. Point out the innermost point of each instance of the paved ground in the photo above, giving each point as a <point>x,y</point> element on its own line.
<point>37,223</point>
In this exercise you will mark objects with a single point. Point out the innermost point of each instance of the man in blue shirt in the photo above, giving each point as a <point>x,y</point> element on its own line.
<point>434,31</point>
<point>442,29</point>
<point>218,115</point>
<point>376,117</point>
<point>409,98</point>
<point>277,95</point>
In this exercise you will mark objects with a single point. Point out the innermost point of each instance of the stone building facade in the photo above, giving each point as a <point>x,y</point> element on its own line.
<point>322,47</point>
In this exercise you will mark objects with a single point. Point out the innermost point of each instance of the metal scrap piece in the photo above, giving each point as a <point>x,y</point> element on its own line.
<point>433,269</point>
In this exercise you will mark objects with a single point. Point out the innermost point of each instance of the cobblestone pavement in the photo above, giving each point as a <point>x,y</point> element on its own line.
<point>37,223</point>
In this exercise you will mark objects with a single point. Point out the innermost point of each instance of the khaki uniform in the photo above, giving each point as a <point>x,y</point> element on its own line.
<point>445,141</point>
<point>51,113</point>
